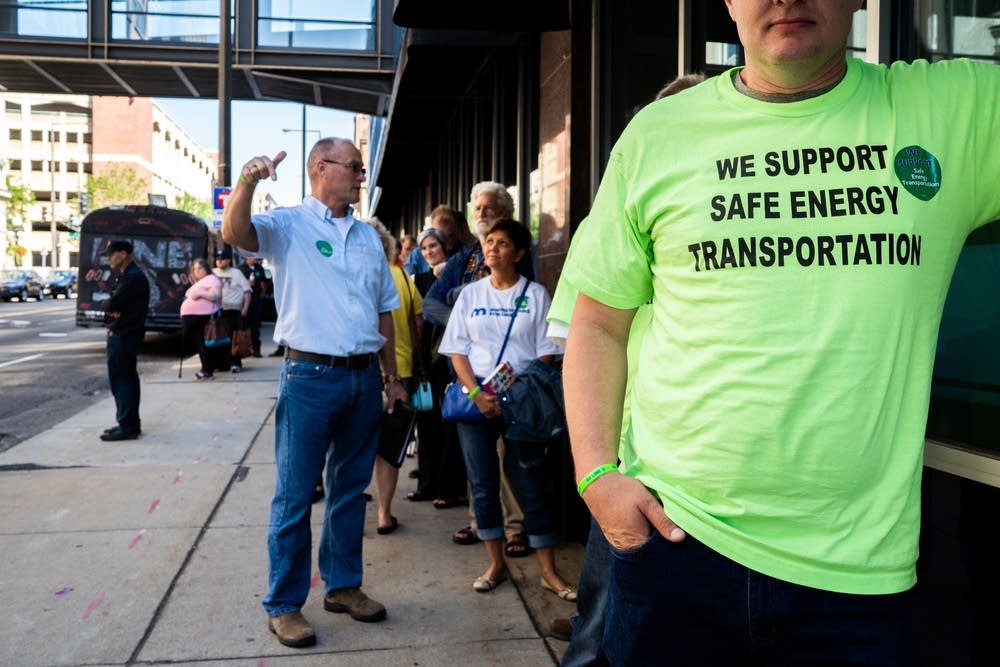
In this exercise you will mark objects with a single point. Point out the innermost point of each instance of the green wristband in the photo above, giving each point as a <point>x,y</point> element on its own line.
<point>476,390</point>
<point>243,180</point>
<point>593,475</point>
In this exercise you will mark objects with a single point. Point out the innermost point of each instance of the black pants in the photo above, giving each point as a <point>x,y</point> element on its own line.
<point>226,360</point>
<point>194,329</point>
<point>123,376</point>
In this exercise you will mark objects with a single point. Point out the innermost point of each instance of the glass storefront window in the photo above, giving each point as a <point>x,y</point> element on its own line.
<point>857,41</point>
<point>959,28</point>
<point>965,396</point>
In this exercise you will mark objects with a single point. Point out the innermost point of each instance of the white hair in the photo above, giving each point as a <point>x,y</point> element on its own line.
<point>499,192</point>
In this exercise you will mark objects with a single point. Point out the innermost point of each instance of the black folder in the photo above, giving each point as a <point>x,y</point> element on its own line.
<point>395,434</point>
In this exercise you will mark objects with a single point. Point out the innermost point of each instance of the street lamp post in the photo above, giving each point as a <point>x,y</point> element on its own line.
<point>304,131</point>
<point>53,258</point>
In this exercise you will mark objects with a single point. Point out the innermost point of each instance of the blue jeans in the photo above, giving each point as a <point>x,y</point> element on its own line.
<point>323,413</point>
<point>124,380</point>
<point>686,604</point>
<point>524,463</point>
<point>584,648</point>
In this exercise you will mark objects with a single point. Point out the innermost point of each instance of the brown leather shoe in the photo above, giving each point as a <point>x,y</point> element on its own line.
<point>561,628</point>
<point>357,604</point>
<point>292,629</point>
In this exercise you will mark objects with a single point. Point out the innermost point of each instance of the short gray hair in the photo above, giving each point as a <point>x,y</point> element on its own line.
<point>499,192</point>
<point>430,231</point>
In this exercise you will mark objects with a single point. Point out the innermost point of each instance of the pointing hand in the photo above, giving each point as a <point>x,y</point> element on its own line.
<point>261,167</point>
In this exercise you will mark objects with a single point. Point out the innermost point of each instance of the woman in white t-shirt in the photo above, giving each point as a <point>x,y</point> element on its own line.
<point>473,339</point>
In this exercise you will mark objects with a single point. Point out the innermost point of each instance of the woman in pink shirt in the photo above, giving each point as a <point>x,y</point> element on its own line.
<point>201,300</point>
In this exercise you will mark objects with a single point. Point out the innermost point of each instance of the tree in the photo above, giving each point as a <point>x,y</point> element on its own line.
<point>21,198</point>
<point>191,204</point>
<point>119,185</point>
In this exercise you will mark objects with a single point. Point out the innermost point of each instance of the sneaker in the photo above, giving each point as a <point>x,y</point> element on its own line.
<point>292,629</point>
<point>203,376</point>
<point>236,369</point>
<point>352,601</point>
<point>257,355</point>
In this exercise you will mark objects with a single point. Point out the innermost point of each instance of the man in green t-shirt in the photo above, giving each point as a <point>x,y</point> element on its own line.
<point>795,224</point>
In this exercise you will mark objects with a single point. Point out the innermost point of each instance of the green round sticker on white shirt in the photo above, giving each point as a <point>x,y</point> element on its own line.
<point>919,172</point>
<point>324,248</point>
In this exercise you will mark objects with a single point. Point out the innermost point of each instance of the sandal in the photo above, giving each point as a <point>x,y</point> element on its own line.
<point>416,496</point>
<point>465,536</point>
<point>517,546</point>
<point>485,585</point>
<point>568,594</point>
<point>445,503</point>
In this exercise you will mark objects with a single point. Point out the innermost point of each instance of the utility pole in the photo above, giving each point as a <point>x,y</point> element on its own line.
<point>304,131</point>
<point>54,248</point>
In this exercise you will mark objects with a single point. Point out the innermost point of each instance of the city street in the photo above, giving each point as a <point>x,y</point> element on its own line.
<point>50,369</point>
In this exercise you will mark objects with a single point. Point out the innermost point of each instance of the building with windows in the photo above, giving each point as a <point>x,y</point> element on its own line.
<point>55,143</point>
<point>535,97</point>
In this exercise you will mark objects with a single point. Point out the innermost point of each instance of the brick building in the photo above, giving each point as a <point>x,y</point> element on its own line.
<point>54,143</point>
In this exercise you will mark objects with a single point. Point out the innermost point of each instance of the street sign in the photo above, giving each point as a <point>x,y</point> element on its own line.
<point>219,196</point>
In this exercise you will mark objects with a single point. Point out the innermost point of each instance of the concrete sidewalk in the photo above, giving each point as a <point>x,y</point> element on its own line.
<point>153,551</point>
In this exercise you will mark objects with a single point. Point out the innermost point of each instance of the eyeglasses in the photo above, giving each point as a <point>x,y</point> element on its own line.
<point>353,166</point>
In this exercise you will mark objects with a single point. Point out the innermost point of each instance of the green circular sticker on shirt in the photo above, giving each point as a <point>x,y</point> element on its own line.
<point>324,248</point>
<point>918,171</point>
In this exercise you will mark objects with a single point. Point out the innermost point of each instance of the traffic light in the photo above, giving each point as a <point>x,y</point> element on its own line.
<point>84,203</point>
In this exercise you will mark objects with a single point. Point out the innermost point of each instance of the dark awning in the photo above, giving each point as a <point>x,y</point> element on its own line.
<point>436,71</point>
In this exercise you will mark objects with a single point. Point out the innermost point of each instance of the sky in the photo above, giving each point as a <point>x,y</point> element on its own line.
<point>258,128</point>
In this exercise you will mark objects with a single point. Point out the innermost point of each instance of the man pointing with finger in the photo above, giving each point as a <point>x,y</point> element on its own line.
<point>334,296</point>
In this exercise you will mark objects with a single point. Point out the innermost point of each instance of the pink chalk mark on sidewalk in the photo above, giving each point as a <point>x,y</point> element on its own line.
<point>177,480</point>
<point>199,459</point>
<point>92,606</point>
<point>66,590</point>
<point>153,506</point>
<point>315,580</point>
<point>135,540</point>
<point>215,436</point>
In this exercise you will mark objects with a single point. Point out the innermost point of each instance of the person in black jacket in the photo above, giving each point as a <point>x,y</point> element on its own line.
<point>125,317</point>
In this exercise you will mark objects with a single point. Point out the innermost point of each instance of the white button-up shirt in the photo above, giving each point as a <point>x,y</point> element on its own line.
<point>331,279</point>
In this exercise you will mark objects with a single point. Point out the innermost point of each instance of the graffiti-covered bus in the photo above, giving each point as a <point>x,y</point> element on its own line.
<point>165,242</point>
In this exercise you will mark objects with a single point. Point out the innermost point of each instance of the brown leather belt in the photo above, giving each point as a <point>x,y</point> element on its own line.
<point>354,362</point>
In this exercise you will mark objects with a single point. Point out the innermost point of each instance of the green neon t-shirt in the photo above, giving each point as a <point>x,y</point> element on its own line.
<point>797,257</point>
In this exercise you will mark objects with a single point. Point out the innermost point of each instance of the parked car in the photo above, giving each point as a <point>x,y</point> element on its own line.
<point>61,281</point>
<point>21,284</point>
